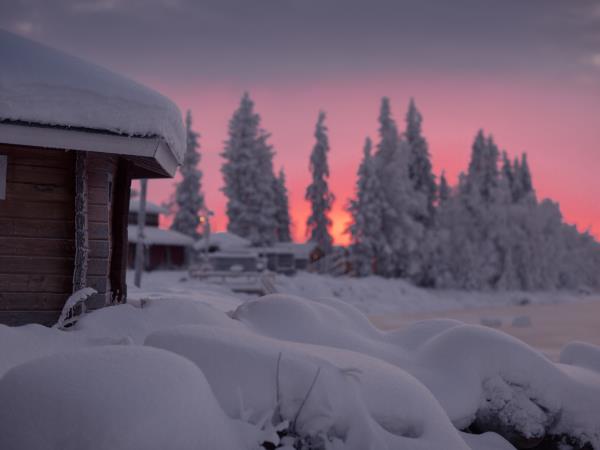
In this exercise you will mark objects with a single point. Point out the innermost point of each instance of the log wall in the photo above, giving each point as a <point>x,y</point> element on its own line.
<point>102,171</point>
<point>36,235</point>
<point>37,230</point>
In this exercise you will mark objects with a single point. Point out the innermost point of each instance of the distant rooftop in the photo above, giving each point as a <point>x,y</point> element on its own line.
<point>152,208</point>
<point>224,241</point>
<point>159,236</point>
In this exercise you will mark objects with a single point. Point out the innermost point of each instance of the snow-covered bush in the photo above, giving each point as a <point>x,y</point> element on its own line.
<point>482,378</point>
<point>357,402</point>
<point>136,323</point>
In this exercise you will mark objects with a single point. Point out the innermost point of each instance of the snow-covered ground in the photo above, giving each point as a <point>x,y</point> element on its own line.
<point>544,320</point>
<point>372,295</point>
<point>375,295</point>
<point>188,365</point>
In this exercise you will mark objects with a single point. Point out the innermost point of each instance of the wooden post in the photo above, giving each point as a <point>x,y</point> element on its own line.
<point>81,224</point>
<point>120,218</point>
<point>141,220</point>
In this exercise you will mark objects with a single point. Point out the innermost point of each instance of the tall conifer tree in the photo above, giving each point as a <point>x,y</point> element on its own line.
<point>370,250</point>
<point>283,214</point>
<point>188,195</point>
<point>419,162</point>
<point>317,193</point>
<point>249,178</point>
<point>444,190</point>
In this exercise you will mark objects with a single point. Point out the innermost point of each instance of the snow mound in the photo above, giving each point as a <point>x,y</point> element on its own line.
<point>357,402</point>
<point>111,398</point>
<point>483,378</point>
<point>581,354</point>
<point>488,379</point>
<point>486,441</point>
<point>290,371</point>
<point>21,344</point>
<point>135,323</point>
<point>413,335</point>
<point>45,86</point>
<point>324,322</point>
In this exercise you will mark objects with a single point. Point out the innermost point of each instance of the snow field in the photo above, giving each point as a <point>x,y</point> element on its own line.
<point>290,371</point>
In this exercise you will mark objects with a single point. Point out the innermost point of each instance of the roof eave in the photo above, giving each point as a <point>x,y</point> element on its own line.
<point>152,156</point>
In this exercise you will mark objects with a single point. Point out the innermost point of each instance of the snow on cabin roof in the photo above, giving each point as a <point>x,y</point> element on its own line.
<point>159,236</point>
<point>224,241</point>
<point>44,86</point>
<point>151,208</point>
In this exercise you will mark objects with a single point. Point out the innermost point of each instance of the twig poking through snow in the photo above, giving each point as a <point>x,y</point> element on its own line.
<point>277,412</point>
<point>67,314</point>
<point>310,389</point>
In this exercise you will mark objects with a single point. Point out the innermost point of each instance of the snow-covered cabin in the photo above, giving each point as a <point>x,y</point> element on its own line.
<point>72,137</point>
<point>301,252</point>
<point>164,249</point>
<point>230,250</point>
<point>222,241</point>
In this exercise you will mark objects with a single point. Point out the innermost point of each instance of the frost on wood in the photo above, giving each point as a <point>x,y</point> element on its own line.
<point>81,224</point>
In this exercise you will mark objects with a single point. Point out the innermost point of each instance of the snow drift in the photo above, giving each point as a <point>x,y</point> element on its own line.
<point>283,370</point>
<point>356,403</point>
<point>111,398</point>
<point>481,377</point>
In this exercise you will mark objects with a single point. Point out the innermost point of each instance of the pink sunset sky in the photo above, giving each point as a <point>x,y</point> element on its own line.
<point>526,71</point>
<point>540,118</point>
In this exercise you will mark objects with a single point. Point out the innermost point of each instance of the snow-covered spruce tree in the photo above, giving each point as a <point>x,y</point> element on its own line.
<point>387,148</point>
<point>506,239</point>
<point>507,172</point>
<point>525,182</point>
<point>248,177</point>
<point>282,214</point>
<point>419,163</point>
<point>466,225</point>
<point>444,189</point>
<point>451,234</point>
<point>402,232</point>
<point>369,249</point>
<point>317,193</point>
<point>188,195</point>
<point>483,168</point>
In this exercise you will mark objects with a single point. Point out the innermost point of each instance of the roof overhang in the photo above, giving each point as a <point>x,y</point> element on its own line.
<point>151,156</point>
